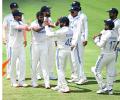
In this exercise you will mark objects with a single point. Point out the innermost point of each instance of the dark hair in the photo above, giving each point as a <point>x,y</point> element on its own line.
<point>39,13</point>
<point>109,23</point>
<point>64,20</point>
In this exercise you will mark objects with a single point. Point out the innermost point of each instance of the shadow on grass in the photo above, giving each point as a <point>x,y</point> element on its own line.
<point>41,79</point>
<point>114,93</point>
<point>79,89</point>
<point>117,81</point>
<point>41,86</point>
<point>27,78</point>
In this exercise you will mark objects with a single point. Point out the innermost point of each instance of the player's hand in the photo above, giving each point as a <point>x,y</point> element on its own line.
<point>84,43</point>
<point>25,43</point>
<point>58,21</point>
<point>55,43</point>
<point>97,36</point>
<point>4,41</point>
<point>72,47</point>
<point>94,37</point>
<point>26,27</point>
<point>46,23</point>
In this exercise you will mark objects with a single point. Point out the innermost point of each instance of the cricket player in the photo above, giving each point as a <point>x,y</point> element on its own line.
<point>39,50</point>
<point>84,37</point>
<point>64,38</point>
<point>47,18</point>
<point>17,42</point>
<point>107,41</point>
<point>6,28</point>
<point>113,13</point>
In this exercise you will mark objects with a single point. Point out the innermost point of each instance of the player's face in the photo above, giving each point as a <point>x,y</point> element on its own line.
<point>106,27</point>
<point>111,15</point>
<point>62,24</point>
<point>14,9</point>
<point>74,13</point>
<point>41,19</point>
<point>47,13</point>
<point>18,18</point>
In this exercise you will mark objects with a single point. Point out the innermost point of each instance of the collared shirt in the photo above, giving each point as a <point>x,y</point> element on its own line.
<point>76,27</point>
<point>16,36</point>
<point>6,24</point>
<point>38,37</point>
<point>84,29</point>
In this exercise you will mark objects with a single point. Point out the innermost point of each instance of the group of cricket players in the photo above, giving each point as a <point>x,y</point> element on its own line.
<point>49,46</point>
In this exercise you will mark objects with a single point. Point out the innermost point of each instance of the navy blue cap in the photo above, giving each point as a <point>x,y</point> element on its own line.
<point>13,5</point>
<point>113,10</point>
<point>17,13</point>
<point>45,9</point>
<point>75,3</point>
<point>110,23</point>
<point>75,8</point>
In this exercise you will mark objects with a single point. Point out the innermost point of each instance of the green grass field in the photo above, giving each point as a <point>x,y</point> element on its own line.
<point>96,12</point>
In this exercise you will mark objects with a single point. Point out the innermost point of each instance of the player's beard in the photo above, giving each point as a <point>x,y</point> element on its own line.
<point>61,25</point>
<point>111,17</point>
<point>20,19</point>
<point>48,15</point>
<point>40,22</point>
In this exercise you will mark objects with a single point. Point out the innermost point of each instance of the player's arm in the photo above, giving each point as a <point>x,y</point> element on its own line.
<point>4,35</point>
<point>37,28</point>
<point>99,34</point>
<point>25,38</point>
<point>58,33</point>
<point>85,23</point>
<point>101,41</point>
<point>4,26</point>
<point>49,23</point>
<point>21,27</point>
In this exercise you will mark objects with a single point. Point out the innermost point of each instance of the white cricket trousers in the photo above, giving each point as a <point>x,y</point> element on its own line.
<point>81,67</point>
<point>107,60</point>
<point>51,56</point>
<point>39,52</point>
<point>17,53</point>
<point>61,54</point>
<point>76,61</point>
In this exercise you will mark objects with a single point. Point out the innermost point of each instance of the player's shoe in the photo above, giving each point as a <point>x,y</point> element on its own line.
<point>56,88</point>
<point>82,81</point>
<point>14,85</point>
<point>39,77</point>
<point>34,85</point>
<point>47,86</point>
<point>100,91</point>
<point>72,80</point>
<point>110,92</point>
<point>64,89</point>
<point>52,77</point>
<point>23,85</point>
